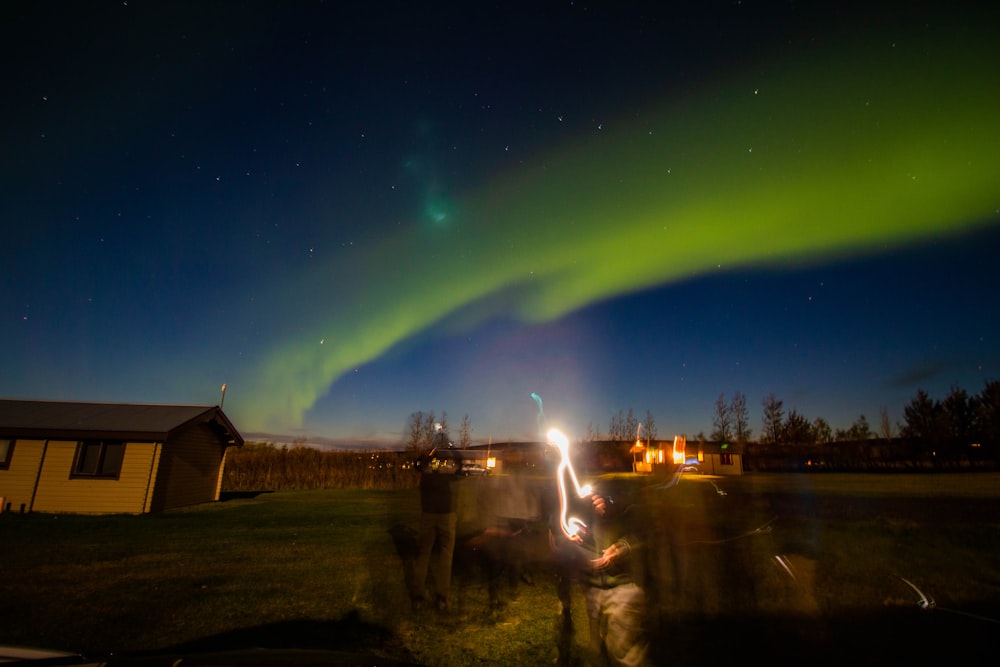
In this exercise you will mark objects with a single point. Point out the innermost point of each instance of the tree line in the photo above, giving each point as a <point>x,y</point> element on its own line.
<point>426,432</point>
<point>261,466</point>
<point>961,430</point>
<point>958,431</point>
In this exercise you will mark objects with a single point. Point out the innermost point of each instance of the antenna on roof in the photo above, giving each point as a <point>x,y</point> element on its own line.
<point>221,402</point>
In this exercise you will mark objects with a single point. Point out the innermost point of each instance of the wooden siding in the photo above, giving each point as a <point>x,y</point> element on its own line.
<point>190,469</point>
<point>59,492</point>
<point>222,469</point>
<point>713,465</point>
<point>17,483</point>
<point>151,482</point>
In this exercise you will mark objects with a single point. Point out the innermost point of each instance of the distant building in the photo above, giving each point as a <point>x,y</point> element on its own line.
<point>710,458</point>
<point>100,458</point>
<point>609,456</point>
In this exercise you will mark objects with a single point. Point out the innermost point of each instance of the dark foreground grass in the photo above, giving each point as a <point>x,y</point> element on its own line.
<point>778,566</point>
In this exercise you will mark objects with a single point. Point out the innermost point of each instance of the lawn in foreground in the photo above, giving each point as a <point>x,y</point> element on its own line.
<point>787,562</point>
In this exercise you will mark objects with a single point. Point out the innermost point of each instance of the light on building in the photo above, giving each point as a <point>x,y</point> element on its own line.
<point>680,445</point>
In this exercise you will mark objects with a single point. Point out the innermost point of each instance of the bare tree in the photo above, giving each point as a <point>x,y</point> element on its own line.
<point>822,431</point>
<point>723,420</point>
<point>631,425</point>
<point>415,432</point>
<point>740,417</point>
<point>465,432</point>
<point>428,431</point>
<point>773,419</point>
<point>885,424</point>
<point>442,438</point>
<point>616,429</point>
<point>649,426</point>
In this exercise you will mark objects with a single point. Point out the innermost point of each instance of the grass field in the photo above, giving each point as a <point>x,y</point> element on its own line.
<point>783,565</point>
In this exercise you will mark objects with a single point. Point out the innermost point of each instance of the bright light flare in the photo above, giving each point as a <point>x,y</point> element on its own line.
<point>571,526</point>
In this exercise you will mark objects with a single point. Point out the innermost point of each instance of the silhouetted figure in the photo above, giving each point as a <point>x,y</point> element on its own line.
<point>437,534</point>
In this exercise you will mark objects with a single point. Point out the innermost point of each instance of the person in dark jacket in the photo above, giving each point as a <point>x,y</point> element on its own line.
<point>438,519</point>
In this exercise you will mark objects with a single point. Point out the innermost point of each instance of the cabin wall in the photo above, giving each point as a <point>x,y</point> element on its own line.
<point>58,491</point>
<point>713,465</point>
<point>190,468</point>
<point>17,482</point>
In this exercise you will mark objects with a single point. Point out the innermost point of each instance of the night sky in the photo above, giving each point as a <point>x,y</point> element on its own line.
<point>351,212</point>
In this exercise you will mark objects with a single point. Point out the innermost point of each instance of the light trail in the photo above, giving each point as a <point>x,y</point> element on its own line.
<point>571,526</point>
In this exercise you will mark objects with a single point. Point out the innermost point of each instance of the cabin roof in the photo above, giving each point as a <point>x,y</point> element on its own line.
<point>127,421</point>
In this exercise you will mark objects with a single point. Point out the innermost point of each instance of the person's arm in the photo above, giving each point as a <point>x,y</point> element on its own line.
<point>616,553</point>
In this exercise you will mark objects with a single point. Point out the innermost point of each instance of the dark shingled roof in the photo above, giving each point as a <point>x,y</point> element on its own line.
<point>136,421</point>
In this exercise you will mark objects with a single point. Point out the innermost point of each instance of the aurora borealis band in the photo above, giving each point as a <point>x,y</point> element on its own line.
<point>347,231</point>
<point>791,165</point>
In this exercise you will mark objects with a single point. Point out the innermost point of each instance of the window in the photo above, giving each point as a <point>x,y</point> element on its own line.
<point>99,458</point>
<point>726,459</point>
<point>6,451</point>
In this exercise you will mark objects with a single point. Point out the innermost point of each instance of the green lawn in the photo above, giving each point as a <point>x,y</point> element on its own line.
<point>779,560</point>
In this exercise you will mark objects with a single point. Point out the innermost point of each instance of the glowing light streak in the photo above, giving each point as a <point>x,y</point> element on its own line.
<point>924,602</point>
<point>786,566</point>
<point>571,526</point>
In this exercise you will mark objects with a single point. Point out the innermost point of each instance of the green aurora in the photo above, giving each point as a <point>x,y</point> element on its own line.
<point>861,149</point>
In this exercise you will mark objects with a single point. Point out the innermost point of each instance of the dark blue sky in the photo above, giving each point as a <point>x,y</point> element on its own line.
<point>352,213</point>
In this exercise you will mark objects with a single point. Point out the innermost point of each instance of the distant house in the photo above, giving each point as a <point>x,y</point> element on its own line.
<point>719,458</point>
<point>99,458</point>
<point>710,458</point>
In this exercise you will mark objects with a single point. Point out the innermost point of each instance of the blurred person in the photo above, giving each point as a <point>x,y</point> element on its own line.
<point>502,524</point>
<point>611,582</point>
<point>436,540</point>
<point>563,553</point>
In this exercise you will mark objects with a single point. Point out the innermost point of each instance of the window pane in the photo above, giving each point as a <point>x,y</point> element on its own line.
<point>90,456</point>
<point>113,454</point>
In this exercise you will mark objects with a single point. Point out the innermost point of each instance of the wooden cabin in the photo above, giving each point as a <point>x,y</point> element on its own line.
<point>101,458</point>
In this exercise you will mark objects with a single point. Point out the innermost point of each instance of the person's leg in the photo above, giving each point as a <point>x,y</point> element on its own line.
<point>446,544</point>
<point>625,638</point>
<point>563,591</point>
<point>594,598</point>
<point>428,534</point>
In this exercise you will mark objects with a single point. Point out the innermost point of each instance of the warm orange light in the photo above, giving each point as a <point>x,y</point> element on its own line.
<point>680,445</point>
<point>491,462</point>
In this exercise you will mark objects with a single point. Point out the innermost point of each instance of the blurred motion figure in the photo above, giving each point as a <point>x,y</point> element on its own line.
<point>438,519</point>
<point>616,602</point>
